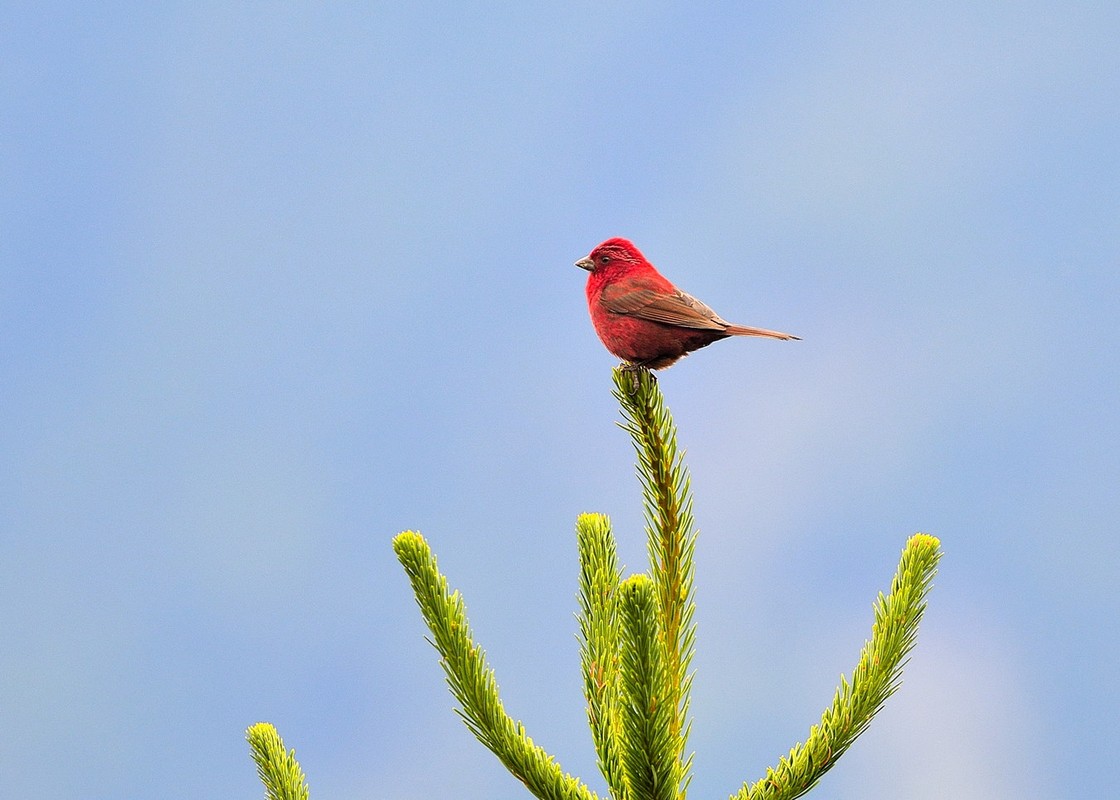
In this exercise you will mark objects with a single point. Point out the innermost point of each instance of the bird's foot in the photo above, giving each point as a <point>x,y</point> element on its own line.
<point>635,370</point>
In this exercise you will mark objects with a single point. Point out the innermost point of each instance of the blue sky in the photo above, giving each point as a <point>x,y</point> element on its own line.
<point>278,281</point>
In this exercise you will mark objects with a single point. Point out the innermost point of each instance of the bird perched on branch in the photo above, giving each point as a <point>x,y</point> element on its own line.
<point>642,317</point>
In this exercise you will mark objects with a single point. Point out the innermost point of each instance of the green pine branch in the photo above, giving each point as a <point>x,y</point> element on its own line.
<point>278,769</point>
<point>472,681</point>
<point>876,677</point>
<point>671,539</point>
<point>648,712</point>
<point>599,646</point>
<point>637,638</point>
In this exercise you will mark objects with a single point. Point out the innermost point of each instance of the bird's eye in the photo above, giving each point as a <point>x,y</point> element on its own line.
<point>604,259</point>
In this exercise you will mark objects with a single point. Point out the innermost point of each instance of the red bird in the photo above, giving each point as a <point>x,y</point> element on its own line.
<point>643,318</point>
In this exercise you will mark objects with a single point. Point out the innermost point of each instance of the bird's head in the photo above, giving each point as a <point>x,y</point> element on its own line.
<point>611,253</point>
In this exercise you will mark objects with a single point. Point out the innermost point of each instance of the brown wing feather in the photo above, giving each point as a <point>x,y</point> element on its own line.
<point>670,309</point>
<point>626,301</point>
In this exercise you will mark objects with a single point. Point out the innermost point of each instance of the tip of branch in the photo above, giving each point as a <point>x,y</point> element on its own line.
<point>260,730</point>
<point>591,518</point>
<point>924,540</point>
<point>407,542</point>
<point>632,381</point>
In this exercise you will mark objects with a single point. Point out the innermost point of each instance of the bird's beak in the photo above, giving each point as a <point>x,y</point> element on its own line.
<point>586,263</point>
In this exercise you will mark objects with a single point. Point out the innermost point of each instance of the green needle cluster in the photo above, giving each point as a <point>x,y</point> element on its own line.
<point>637,638</point>
<point>278,769</point>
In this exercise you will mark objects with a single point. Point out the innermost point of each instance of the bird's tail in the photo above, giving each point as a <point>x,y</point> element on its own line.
<point>743,330</point>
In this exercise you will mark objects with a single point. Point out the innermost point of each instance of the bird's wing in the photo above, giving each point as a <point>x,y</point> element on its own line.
<point>676,308</point>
